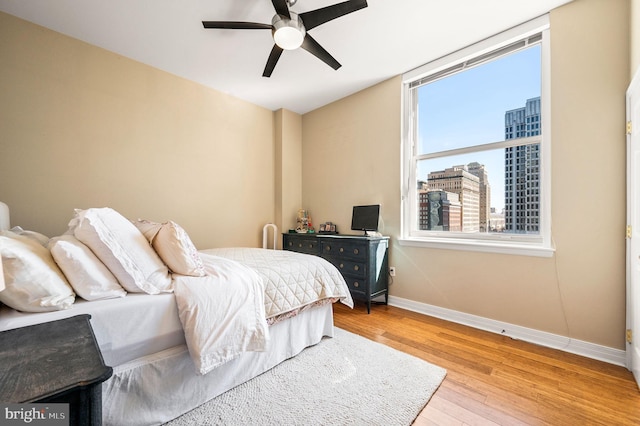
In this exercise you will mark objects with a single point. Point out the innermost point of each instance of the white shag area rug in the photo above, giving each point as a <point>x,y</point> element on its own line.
<point>345,380</point>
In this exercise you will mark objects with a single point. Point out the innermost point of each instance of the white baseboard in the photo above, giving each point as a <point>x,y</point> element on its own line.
<point>567,344</point>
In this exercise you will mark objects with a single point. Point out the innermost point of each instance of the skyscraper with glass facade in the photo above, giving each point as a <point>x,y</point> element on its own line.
<point>522,170</point>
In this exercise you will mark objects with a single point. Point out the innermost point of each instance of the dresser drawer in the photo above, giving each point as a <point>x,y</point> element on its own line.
<point>301,244</point>
<point>345,249</point>
<point>357,287</point>
<point>349,267</point>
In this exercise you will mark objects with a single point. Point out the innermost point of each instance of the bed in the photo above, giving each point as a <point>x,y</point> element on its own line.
<point>175,340</point>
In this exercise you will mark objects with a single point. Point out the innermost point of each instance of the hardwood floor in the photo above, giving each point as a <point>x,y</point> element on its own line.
<point>493,379</point>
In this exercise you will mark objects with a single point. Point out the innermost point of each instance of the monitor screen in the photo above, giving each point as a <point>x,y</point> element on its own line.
<point>365,218</point>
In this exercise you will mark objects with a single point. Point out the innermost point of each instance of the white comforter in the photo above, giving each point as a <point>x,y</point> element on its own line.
<point>224,313</point>
<point>292,280</point>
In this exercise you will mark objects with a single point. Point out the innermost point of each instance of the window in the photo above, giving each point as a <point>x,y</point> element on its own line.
<point>475,147</point>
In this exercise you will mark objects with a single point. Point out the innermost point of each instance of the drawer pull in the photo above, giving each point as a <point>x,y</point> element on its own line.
<point>290,244</point>
<point>311,245</point>
<point>356,251</point>
<point>341,250</point>
<point>341,265</point>
<point>299,244</point>
<point>356,268</point>
<point>356,284</point>
<point>327,248</point>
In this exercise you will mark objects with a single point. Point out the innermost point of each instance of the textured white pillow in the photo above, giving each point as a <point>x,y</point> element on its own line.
<point>88,276</point>
<point>123,249</point>
<point>32,279</point>
<point>173,245</point>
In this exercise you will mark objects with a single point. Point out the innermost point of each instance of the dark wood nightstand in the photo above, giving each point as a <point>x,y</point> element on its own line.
<point>56,362</point>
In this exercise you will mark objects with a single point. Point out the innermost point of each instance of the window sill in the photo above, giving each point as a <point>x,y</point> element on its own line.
<point>518,249</point>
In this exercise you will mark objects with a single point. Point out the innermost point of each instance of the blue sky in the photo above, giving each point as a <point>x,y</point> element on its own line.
<point>468,108</point>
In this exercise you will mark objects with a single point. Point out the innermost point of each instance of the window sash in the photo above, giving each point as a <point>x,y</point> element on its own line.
<point>512,40</point>
<point>508,143</point>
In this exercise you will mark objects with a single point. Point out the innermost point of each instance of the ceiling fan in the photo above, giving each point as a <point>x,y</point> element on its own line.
<point>289,30</point>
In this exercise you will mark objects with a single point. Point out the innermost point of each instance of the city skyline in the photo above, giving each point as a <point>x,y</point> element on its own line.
<point>468,108</point>
<point>469,184</point>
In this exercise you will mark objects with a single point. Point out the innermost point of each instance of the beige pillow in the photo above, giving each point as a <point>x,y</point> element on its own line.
<point>123,249</point>
<point>173,245</point>
<point>88,276</point>
<point>148,228</point>
<point>32,279</point>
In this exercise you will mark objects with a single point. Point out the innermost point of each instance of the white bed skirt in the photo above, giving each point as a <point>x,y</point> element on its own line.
<point>162,386</point>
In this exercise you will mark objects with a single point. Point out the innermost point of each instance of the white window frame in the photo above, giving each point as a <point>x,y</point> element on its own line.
<point>507,243</point>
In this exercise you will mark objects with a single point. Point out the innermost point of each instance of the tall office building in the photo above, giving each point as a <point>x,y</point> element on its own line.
<point>423,206</point>
<point>522,170</point>
<point>439,211</point>
<point>458,180</point>
<point>478,170</point>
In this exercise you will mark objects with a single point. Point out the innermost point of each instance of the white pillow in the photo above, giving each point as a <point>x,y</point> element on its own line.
<point>173,245</point>
<point>90,279</point>
<point>37,236</point>
<point>32,279</point>
<point>123,249</point>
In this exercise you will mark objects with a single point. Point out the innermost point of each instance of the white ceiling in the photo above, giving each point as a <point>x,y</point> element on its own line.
<point>386,39</point>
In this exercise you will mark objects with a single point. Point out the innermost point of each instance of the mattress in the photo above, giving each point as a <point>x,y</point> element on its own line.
<point>126,328</point>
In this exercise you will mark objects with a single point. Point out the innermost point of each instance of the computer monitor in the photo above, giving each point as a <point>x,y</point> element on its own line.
<point>365,218</point>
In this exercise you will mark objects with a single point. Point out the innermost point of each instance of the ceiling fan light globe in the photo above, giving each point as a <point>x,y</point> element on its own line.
<point>288,38</point>
<point>288,33</point>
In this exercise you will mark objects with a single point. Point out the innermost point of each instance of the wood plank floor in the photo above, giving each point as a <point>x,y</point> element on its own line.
<point>493,379</point>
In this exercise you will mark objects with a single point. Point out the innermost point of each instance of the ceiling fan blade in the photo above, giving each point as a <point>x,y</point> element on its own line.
<point>317,17</point>
<point>310,45</point>
<point>281,8</point>
<point>236,25</point>
<point>272,61</point>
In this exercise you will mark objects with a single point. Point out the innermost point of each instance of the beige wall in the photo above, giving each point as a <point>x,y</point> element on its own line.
<point>351,155</point>
<point>288,195</point>
<point>82,127</point>
<point>635,36</point>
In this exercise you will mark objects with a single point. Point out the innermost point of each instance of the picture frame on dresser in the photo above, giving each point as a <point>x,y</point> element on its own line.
<point>328,228</point>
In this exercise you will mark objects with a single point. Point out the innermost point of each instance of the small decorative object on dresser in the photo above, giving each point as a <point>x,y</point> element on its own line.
<point>362,260</point>
<point>302,222</point>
